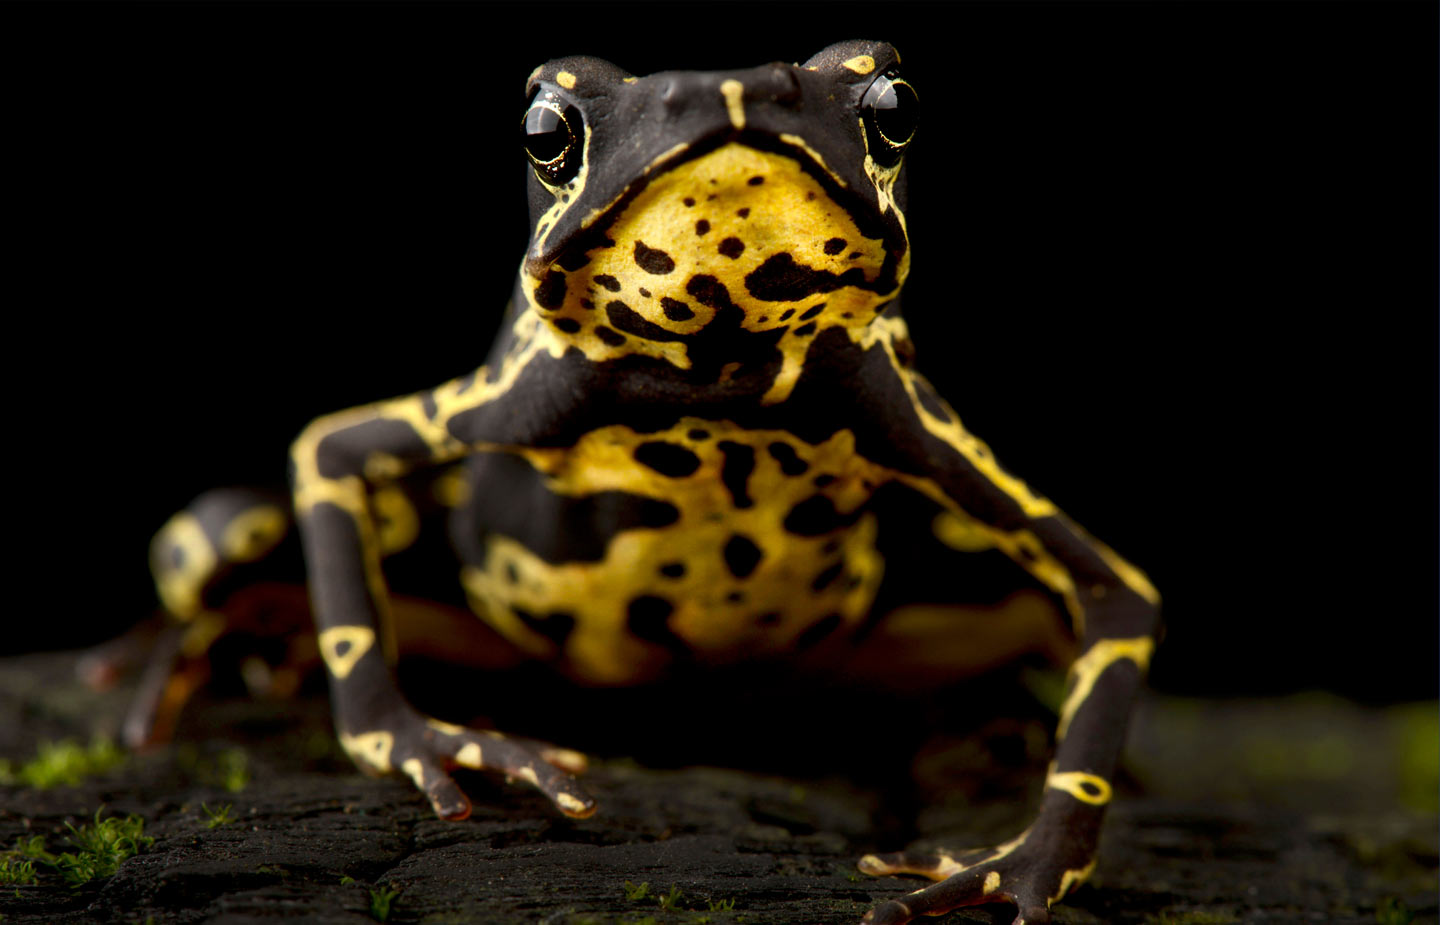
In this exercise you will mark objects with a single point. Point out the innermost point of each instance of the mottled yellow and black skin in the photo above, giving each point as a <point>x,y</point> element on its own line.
<point>701,439</point>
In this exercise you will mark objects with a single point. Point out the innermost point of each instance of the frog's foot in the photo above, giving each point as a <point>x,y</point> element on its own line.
<point>1027,875</point>
<point>426,750</point>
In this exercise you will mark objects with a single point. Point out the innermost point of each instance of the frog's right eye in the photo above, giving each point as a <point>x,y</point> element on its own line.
<point>554,134</point>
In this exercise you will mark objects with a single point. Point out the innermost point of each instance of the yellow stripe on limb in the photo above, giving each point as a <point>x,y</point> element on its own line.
<point>369,749</point>
<point>1088,668</point>
<point>357,640</point>
<point>1076,783</point>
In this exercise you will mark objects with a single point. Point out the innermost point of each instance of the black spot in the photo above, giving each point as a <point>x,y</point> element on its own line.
<point>931,402</point>
<point>904,351</point>
<point>587,305</point>
<point>688,202</point>
<point>732,247</point>
<point>673,569</point>
<point>512,575</point>
<point>656,513</point>
<point>856,256</point>
<point>817,632</point>
<point>814,516</point>
<point>768,619</point>
<point>608,281</point>
<point>646,618</point>
<point>812,311</point>
<point>762,319</point>
<point>702,226</point>
<point>781,279</point>
<point>676,310</point>
<point>735,473</point>
<point>790,463</point>
<point>805,330</point>
<point>823,479</point>
<point>177,556</point>
<point>667,458</point>
<point>741,555</point>
<point>809,197</point>
<point>755,181</point>
<point>644,293</point>
<point>847,314</point>
<point>609,336</point>
<point>698,434</point>
<point>652,259</point>
<point>557,528</point>
<point>568,325</point>
<point>788,313</point>
<point>735,597</point>
<point>342,647</point>
<point>1090,788</point>
<point>550,291</point>
<point>555,626</point>
<point>835,246</point>
<point>628,320</point>
<point>427,404</point>
<point>743,213</point>
<point>823,580</point>
<point>574,259</point>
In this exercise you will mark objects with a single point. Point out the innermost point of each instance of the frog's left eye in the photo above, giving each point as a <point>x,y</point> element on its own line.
<point>890,110</point>
<point>554,133</point>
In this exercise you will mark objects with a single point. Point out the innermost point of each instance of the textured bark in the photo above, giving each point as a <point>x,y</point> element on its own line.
<point>1234,814</point>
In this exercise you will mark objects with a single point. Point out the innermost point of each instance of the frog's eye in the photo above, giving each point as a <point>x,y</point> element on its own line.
<point>890,110</point>
<point>554,133</point>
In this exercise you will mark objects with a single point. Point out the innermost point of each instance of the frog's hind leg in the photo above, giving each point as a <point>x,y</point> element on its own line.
<point>951,606</point>
<point>219,568</point>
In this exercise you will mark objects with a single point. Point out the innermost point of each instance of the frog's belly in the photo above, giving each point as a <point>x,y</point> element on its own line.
<point>705,541</point>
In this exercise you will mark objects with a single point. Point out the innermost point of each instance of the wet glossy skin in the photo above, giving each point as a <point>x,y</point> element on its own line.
<point>700,439</point>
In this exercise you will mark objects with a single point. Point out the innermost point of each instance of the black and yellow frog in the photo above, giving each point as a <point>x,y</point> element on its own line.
<point>701,439</point>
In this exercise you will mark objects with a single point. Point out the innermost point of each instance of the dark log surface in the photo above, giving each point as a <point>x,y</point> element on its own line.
<point>1302,809</point>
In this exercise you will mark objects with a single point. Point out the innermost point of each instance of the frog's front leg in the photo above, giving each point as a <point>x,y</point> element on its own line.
<point>334,461</point>
<point>1115,610</point>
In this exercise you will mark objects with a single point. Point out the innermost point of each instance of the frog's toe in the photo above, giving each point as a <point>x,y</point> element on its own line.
<point>974,878</point>
<point>542,766</point>
<point>445,796</point>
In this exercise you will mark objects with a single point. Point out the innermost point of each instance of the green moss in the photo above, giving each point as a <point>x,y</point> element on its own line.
<point>16,871</point>
<point>63,763</point>
<point>635,893</point>
<point>722,905</point>
<point>1418,735</point>
<point>101,848</point>
<point>381,899</point>
<point>671,900</point>
<point>220,815</point>
<point>1392,911</point>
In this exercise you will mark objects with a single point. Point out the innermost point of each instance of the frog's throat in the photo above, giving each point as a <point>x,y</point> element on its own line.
<point>736,226</point>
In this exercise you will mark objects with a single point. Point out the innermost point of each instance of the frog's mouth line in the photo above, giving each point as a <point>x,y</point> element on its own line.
<point>863,213</point>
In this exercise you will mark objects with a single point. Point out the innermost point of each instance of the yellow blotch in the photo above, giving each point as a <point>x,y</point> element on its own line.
<point>992,882</point>
<point>450,729</point>
<point>705,614</point>
<point>203,629</point>
<point>528,775</point>
<point>566,80</point>
<point>1088,668</point>
<point>399,523</point>
<point>734,93</point>
<point>369,749</point>
<point>572,806</point>
<point>451,489</point>
<point>179,585</point>
<point>469,756</point>
<point>1075,783</point>
<point>1073,878</point>
<point>253,533</point>
<point>860,64</point>
<point>414,770</point>
<point>359,639</point>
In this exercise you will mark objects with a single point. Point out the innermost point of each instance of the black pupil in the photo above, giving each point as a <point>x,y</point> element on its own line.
<point>895,111</point>
<point>546,134</point>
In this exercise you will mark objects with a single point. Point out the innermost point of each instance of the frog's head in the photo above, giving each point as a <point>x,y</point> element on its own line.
<point>661,203</point>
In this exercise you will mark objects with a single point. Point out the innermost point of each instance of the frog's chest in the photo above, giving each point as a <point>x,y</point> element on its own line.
<point>706,541</point>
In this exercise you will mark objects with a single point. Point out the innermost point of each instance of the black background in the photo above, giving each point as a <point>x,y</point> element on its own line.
<point>1175,262</point>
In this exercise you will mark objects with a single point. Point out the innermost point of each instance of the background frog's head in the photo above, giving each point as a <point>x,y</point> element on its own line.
<point>661,203</point>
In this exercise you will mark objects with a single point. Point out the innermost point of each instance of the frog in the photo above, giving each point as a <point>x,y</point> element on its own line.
<point>700,438</point>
